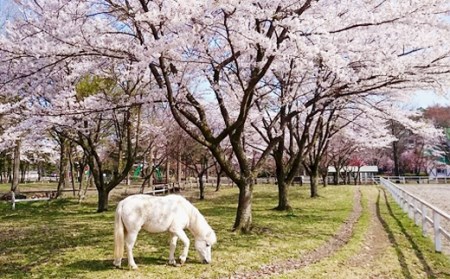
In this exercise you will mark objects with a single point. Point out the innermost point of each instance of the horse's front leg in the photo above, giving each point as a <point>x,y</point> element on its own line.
<point>183,237</point>
<point>173,245</point>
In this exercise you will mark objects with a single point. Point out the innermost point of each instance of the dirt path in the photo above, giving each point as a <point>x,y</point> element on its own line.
<point>375,241</point>
<point>337,241</point>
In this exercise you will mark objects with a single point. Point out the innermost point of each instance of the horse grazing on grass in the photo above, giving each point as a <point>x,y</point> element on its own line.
<point>171,213</point>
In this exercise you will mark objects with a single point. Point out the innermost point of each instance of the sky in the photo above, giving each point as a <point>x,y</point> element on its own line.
<point>428,98</point>
<point>7,9</point>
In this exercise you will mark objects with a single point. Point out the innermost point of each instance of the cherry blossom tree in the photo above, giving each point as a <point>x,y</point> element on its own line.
<point>213,61</point>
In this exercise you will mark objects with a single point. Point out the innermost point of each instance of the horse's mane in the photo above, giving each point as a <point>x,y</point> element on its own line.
<point>198,224</point>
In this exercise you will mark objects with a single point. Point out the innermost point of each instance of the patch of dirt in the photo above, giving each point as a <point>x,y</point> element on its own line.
<point>337,241</point>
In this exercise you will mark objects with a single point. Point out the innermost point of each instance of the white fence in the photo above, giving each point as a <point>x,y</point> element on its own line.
<point>421,212</point>
<point>417,179</point>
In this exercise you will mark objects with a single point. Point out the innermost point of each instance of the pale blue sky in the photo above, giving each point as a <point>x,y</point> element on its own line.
<point>7,9</point>
<point>428,98</point>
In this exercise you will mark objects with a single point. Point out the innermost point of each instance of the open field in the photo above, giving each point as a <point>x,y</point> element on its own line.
<point>62,239</point>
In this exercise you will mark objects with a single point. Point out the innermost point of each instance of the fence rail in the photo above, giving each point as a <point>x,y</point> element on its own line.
<point>417,179</point>
<point>421,212</point>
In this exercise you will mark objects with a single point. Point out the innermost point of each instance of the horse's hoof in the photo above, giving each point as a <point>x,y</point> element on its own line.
<point>173,262</point>
<point>134,267</point>
<point>117,264</point>
<point>182,260</point>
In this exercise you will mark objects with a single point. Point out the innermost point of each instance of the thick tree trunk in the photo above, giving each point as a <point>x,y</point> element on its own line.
<point>16,168</point>
<point>64,166</point>
<point>283,201</point>
<point>243,222</point>
<point>314,182</point>
<point>102,201</point>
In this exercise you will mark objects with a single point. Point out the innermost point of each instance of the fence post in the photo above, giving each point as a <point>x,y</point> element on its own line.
<point>404,203</point>
<point>13,200</point>
<point>437,231</point>
<point>411,208</point>
<point>424,219</point>
<point>416,211</point>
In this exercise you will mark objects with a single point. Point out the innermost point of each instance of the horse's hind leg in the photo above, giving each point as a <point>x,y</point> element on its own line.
<point>130,239</point>
<point>173,245</point>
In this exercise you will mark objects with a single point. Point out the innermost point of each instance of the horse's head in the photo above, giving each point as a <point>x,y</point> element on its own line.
<point>203,246</point>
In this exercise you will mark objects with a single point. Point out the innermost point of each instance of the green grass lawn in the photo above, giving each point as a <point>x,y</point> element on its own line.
<point>62,239</point>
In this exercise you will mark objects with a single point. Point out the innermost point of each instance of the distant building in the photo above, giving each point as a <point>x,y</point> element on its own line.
<point>441,167</point>
<point>367,173</point>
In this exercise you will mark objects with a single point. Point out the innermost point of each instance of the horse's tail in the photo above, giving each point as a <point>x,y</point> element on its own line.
<point>119,235</point>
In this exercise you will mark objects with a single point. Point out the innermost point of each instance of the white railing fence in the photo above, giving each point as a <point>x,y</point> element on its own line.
<point>421,212</point>
<point>417,179</point>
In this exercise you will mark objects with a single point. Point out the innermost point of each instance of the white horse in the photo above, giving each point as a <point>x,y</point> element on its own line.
<point>171,213</point>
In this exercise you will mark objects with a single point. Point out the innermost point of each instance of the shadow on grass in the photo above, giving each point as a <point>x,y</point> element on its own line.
<point>101,265</point>
<point>92,265</point>
<point>395,244</point>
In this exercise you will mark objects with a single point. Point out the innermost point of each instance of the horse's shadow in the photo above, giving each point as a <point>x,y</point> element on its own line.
<point>99,265</point>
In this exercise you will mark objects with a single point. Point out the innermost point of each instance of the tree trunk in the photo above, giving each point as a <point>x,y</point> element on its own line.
<point>314,182</point>
<point>102,200</point>
<point>218,179</point>
<point>149,172</point>
<point>64,166</point>
<point>39,166</point>
<point>72,171</point>
<point>243,222</point>
<point>167,170</point>
<point>16,168</point>
<point>219,172</point>
<point>23,172</point>
<point>357,178</point>
<point>201,185</point>
<point>80,186</point>
<point>395,157</point>
<point>283,201</point>
<point>325,179</point>
<point>179,168</point>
